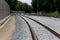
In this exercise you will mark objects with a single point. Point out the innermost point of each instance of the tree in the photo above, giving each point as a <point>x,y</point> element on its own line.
<point>19,6</point>
<point>50,6</point>
<point>27,8</point>
<point>44,5</point>
<point>23,7</point>
<point>12,3</point>
<point>58,6</point>
<point>34,4</point>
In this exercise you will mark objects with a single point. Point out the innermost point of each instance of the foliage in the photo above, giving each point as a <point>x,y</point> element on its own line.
<point>58,4</point>
<point>23,7</point>
<point>46,5</point>
<point>19,6</point>
<point>12,3</point>
<point>34,4</point>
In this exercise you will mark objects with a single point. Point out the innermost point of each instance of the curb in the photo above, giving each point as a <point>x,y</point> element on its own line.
<point>4,21</point>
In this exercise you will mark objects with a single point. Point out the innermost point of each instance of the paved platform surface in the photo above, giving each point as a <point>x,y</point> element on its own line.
<point>52,23</point>
<point>22,31</point>
<point>8,29</point>
<point>41,32</point>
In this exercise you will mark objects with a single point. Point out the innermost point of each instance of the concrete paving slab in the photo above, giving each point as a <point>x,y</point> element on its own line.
<point>8,29</point>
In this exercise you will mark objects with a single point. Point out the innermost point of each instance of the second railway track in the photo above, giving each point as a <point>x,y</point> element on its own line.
<point>38,31</point>
<point>52,31</point>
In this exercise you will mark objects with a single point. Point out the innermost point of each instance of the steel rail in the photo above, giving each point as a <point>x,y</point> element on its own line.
<point>49,29</point>
<point>33,34</point>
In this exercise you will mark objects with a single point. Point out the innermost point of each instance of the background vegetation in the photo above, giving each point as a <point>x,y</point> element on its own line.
<point>44,6</point>
<point>19,6</point>
<point>47,7</point>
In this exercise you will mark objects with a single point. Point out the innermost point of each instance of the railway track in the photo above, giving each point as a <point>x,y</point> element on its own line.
<point>36,35</point>
<point>52,31</point>
<point>33,34</point>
